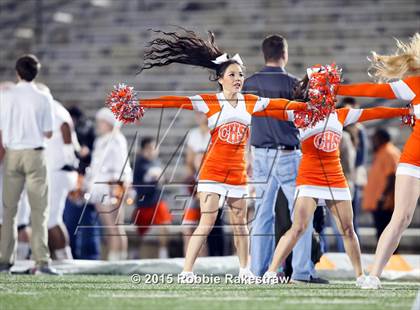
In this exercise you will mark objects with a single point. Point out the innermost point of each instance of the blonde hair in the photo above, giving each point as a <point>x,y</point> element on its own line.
<point>405,61</point>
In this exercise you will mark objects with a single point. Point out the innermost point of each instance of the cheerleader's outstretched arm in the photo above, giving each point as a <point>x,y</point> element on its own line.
<point>352,116</point>
<point>278,108</point>
<point>382,113</point>
<point>367,90</point>
<point>182,102</point>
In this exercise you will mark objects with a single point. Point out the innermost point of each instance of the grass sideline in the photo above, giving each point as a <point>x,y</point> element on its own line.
<point>79,292</point>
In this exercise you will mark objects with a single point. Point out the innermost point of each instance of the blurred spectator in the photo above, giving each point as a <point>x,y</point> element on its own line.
<point>348,158</point>
<point>107,178</point>
<point>151,209</point>
<point>85,131</point>
<point>81,220</point>
<point>84,240</point>
<point>62,177</point>
<point>26,119</point>
<point>359,178</point>
<point>378,196</point>
<point>197,142</point>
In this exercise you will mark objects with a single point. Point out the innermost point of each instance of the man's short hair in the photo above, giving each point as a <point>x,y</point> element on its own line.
<point>146,141</point>
<point>348,101</point>
<point>27,67</point>
<point>274,47</point>
<point>383,135</point>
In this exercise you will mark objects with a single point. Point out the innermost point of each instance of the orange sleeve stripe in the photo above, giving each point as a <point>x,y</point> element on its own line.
<point>167,102</point>
<point>285,104</point>
<point>212,103</point>
<point>278,114</point>
<point>367,90</point>
<point>250,101</point>
<point>342,114</point>
<point>414,83</point>
<point>382,113</point>
<point>278,108</point>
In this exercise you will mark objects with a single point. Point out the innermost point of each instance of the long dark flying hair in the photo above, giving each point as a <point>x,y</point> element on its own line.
<point>184,48</point>
<point>300,92</point>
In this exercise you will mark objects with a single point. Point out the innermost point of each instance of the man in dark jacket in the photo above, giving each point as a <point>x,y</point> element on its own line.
<point>276,158</point>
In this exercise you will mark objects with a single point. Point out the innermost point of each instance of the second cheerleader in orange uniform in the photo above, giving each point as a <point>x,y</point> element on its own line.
<point>321,176</point>
<point>402,72</point>
<point>223,170</point>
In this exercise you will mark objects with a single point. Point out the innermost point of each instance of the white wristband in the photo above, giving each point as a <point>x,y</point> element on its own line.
<point>417,111</point>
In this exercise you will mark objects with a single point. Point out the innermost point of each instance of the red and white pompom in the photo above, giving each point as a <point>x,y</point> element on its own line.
<point>125,105</point>
<point>323,84</point>
<point>409,120</point>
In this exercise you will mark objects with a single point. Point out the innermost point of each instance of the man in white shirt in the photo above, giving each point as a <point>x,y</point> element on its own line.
<point>26,119</point>
<point>24,211</point>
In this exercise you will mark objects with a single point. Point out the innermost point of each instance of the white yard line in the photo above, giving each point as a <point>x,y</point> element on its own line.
<point>416,303</point>
<point>153,296</point>
<point>10,292</point>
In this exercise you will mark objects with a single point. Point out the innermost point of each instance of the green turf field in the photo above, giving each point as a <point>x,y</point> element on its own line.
<point>118,292</point>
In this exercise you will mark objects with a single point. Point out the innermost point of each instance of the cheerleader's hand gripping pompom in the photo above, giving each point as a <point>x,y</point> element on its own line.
<point>322,89</point>
<point>125,105</point>
<point>409,120</point>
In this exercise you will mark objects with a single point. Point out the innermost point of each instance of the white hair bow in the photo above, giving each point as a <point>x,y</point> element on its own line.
<point>224,57</point>
<point>311,70</point>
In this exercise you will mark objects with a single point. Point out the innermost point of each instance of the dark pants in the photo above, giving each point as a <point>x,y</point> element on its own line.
<point>215,239</point>
<point>283,224</point>
<point>84,242</point>
<point>356,207</point>
<point>381,219</point>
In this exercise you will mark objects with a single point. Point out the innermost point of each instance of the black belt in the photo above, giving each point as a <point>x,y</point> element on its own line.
<point>39,148</point>
<point>282,147</point>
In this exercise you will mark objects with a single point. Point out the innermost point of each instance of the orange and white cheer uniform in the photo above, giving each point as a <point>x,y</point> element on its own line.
<point>320,173</point>
<point>223,170</point>
<point>407,89</point>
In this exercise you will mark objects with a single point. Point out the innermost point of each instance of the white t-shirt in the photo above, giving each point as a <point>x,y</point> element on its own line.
<point>26,113</point>
<point>55,145</point>
<point>198,141</point>
<point>109,155</point>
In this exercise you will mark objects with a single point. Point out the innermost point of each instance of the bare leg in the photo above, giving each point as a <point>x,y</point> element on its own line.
<point>209,205</point>
<point>24,238</point>
<point>163,242</point>
<point>303,211</point>
<point>343,215</point>
<point>238,220</point>
<point>58,240</point>
<point>122,236</point>
<point>407,192</point>
<point>187,233</point>
<point>115,237</point>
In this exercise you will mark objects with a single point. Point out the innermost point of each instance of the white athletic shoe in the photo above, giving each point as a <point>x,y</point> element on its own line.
<point>246,276</point>
<point>371,283</point>
<point>270,277</point>
<point>360,280</point>
<point>186,277</point>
